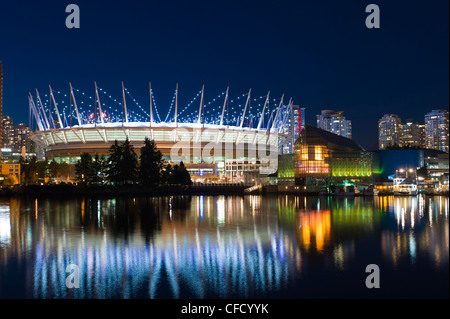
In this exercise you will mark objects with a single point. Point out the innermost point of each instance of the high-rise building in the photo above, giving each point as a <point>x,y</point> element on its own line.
<point>294,126</point>
<point>334,122</point>
<point>7,131</point>
<point>21,135</point>
<point>437,130</point>
<point>389,131</point>
<point>302,119</point>
<point>14,136</point>
<point>412,135</point>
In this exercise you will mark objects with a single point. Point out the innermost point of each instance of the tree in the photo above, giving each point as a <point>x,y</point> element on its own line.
<point>113,166</point>
<point>123,163</point>
<point>99,166</point>
<point>166,175</point>
<point>9,180</point>
<point>28,168</point>
<point>53,169</point>
<point>129,163</point>
<point>186,176</point>
<point>64,170</point>
<point>42,169</point>
<point>181,175</point>
<point>176,175</point>
<point>84,168</point>
<point>151,164</point>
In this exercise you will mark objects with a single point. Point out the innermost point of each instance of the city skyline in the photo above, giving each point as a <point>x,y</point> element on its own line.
<point>326,61</point>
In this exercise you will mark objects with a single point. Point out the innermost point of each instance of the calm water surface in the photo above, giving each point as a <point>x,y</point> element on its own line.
<point>225,247</point>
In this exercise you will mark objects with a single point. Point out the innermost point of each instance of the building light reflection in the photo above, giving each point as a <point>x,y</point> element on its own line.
<point>221,210</point>
<point>315,226</point>
<point>5,226</point>
<point>247,247</point>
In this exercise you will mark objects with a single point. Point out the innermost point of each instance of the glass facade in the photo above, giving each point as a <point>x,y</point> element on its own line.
<point>312,159</point>
<point>323,158</point>
<point>353,166</point>
<point>286,171</point>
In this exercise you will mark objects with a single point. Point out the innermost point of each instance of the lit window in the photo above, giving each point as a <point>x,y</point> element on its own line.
<point>304,153</point>
<point>318,153</point>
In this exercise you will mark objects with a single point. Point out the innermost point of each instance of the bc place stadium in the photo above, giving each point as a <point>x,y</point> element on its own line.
<point>218,140</point>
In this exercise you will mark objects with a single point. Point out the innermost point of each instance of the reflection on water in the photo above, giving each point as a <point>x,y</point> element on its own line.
<point>217,247</point>
<point>422,228</point>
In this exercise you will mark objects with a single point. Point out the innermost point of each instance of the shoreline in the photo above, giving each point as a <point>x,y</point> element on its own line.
<point>70,191</point>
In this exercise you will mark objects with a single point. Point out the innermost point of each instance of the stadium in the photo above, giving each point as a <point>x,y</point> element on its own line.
<point>219,140</point>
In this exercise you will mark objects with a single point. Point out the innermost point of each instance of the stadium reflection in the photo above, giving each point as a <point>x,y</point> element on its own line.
<point>206,246</point>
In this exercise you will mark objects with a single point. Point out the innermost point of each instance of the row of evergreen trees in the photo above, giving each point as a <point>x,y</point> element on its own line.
<point>123,166</point>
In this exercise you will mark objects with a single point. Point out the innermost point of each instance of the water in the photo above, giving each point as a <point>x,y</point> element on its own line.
<point>224,247</point>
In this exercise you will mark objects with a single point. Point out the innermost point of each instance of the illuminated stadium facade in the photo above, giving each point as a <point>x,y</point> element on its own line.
<point>204,136</point>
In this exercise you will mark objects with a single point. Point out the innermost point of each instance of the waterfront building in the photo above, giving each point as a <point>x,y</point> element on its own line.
<point>359,167</point>
<point>393,160</point>
<point>203,173</point>
<point>286,171</point>
<point>438,170</point>
<point>334,122</point>
<point>389,131</point>
<point>411,160</point>
<point>203,136</point>
<point>243,171</point>
<point>316,153</point>
<point>437,130</point>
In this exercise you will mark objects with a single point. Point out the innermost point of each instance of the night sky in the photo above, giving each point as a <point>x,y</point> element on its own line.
<point>320,53</point>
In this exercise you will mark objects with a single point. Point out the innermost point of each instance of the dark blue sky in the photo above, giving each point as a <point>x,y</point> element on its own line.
<point>320,53</point>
